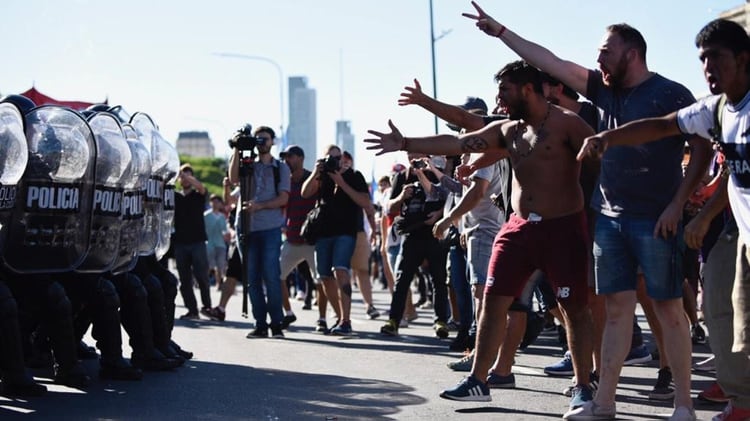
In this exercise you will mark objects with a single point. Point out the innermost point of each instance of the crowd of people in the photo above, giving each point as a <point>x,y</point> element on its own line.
<point>648,125</point>
<point>584,191</point>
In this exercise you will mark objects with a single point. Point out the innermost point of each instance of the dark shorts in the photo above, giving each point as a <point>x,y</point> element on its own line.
<point>234,265</point>
<point>558,247</point>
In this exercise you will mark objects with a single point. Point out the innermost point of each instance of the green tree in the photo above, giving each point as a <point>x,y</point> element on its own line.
<point>210,172</point>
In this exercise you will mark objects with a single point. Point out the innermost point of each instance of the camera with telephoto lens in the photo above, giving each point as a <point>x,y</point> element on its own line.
<point>413,212</point>
<point>418,164</point>
<point>244,140</point>
<point>331,163</point>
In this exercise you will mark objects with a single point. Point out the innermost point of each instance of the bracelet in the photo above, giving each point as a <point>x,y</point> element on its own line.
<point>502,31</point>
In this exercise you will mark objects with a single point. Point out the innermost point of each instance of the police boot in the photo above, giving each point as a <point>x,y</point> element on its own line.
<point>156,361</point>
<point>181,352</point>
<point>16,382</point>
<point>119,370</point>
<point>86,352</point>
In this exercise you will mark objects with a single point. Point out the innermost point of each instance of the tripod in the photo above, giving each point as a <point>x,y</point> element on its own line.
<point>247,192</point>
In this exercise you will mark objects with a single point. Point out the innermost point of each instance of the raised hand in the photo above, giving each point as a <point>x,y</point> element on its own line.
<point>412,95</point>
<point>593,146</point>
<point>386,142</point>
<point>485,22</point>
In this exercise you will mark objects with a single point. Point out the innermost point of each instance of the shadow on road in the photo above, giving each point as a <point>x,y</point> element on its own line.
<point>213,391</point>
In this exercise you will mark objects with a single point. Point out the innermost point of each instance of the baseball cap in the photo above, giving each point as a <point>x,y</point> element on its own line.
<point>473,104</point>
<point>293,150</point>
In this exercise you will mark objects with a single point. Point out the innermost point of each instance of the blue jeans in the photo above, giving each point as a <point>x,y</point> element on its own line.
<point>460,285</point>
<point>263,251</point>
<point>623,244</point>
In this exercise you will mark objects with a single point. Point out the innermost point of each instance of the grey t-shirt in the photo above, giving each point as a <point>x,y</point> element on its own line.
<point>485,215</point>
<point>265,189</point>
<point>638,181</point>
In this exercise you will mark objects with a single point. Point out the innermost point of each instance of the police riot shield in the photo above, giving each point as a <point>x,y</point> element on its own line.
<point>154,200</point>
<point>169,174</point>
<point>14,155</point>
<point>134,184</point>
<point>112,164</point>
<point>49,231</point>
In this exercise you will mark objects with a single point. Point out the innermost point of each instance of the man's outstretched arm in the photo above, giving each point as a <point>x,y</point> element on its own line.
<point>481,140</point>
<point>571,74</point>
<point>451,113</point>
<point>634,133</point>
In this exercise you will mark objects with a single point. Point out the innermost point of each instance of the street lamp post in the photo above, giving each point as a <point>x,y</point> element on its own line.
<point>281,83</point>
<point>433,40</point>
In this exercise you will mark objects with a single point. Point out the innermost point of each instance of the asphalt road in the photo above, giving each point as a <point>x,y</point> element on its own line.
<point>311,376</point>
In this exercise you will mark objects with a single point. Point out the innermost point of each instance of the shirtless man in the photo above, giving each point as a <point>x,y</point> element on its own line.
<point>547,230</point>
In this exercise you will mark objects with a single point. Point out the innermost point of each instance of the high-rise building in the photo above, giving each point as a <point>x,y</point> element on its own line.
<point>302,130</point>
<point>196,144</point>
<point>345,138</point>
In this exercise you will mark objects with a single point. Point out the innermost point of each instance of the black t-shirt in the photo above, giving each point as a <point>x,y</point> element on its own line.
<point>188,217</point>
<point>415,210</point>
<point>341,215</point>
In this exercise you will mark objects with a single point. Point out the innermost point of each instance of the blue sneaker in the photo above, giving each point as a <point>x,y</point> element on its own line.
<point>343,329</point>
<point>638,355</point>
<point>581,395</point>
<point>563,367</point>
<point>496,381</point>
<point>469,390</point>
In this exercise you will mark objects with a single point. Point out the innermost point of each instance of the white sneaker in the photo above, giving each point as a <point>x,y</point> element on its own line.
<point>683,414</point>
<point>705,365</point>
<point>590,411</point>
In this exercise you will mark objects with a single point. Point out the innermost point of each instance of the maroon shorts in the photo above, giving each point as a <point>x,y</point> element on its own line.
<point>558,247</point>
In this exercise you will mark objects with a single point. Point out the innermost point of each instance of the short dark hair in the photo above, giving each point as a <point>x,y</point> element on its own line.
<point>567,90</point>
<point>265,129</point>
<point>215,197</point>
<point>347,155</point>
<point>724,33</point>
<point>520,73</point>
<point>332,146</point>
<point>630,36</point>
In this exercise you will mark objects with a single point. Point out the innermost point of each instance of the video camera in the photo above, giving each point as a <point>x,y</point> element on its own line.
<point>244,140</point>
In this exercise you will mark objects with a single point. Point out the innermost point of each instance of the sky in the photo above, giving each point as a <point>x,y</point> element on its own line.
<point>160,57</point>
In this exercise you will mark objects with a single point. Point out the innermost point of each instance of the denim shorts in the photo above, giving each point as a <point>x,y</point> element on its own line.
<point>479,252</point>
<point>623,244</point>
<point>334,253</point>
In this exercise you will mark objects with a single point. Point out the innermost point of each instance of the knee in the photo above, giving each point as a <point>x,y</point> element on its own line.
<point>107,294</point>
<point>57,300</point>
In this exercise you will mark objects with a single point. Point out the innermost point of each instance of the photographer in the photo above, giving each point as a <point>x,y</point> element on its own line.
<point>262,245</point>
<point>343,195</point>
<point>190,241</point>
<point>417,214</point>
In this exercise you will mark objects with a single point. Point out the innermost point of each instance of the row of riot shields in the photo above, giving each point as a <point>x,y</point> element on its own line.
<point>86,192</point>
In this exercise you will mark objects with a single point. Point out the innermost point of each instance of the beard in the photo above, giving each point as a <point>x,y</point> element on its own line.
<point>617,75</point>
<point>518,111</point>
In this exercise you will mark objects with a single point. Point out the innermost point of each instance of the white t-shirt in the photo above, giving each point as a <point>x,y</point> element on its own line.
<point>699,119</point>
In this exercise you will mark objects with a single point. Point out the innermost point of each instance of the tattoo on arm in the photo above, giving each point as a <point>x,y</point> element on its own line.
<point>473,144</point>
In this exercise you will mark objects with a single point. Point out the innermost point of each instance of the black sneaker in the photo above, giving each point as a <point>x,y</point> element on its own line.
<point>697,334</point>
<point>321,326</point>
<point>372,312</point>
<point>460,343</point>
<point>257,333</point>
<point>190,316</point>
<point>276,332</point>
<point>390,328</point>
<point>288,319</point>
<point>664,388</point>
